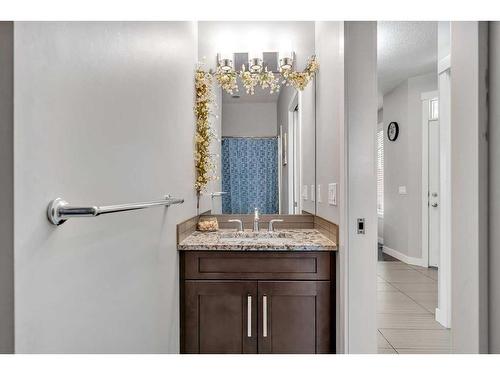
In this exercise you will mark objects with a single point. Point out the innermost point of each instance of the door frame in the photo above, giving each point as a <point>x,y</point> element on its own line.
<point>469,182</point>
<point>294,168</point>
<point>443,311</point>
<point>357,255</point>
<point>426,97</point>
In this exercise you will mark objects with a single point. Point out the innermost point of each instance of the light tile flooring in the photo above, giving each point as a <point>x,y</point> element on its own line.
<point>406,303</point>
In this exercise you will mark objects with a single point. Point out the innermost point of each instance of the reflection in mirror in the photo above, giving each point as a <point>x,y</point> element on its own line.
<point>265,145</point>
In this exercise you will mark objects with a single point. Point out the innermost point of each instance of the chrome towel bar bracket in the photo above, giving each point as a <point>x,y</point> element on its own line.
<point>59,210</point>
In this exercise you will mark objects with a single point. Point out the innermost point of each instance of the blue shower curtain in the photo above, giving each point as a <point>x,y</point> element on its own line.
<point>250,175</point>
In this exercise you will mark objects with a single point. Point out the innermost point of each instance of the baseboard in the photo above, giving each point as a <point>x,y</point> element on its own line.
<point>441,318</point>
<point>404,258</point>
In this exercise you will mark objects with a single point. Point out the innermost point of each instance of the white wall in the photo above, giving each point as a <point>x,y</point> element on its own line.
<point>403,165</point>
<point>287,93</point>
<point>307,145</point>
<point>358,252</point>
<point>329,112</point>
<point>494,187</point>
<point>6,188</point>
<point>247,36</point>
<point>469,206</point>
<point>249,119</point>
<point>103,114</point>
<point>443,312</point>
<point>443,39</point>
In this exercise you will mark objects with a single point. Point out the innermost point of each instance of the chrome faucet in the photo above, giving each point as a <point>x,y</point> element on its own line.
<point>256,219</point>
<point>239,222</point>
<point>271,224</point>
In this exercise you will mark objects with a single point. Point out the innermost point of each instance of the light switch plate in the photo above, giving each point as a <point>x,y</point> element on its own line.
<point>318,194</point>
<point>402,190</point>
<point>312,192</point>
<point>332,194</point>
<point>304,192</point>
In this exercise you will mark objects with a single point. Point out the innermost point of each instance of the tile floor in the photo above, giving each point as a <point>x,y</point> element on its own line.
<point>406,303</point>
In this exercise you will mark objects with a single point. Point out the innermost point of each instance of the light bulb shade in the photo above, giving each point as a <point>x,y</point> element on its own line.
<point>255,64</point>
<point>286,60</point>
<point>225,61</point>
<point>226,65</point>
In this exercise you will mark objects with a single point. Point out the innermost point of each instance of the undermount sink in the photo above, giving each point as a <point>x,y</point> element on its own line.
<point>252,236</point>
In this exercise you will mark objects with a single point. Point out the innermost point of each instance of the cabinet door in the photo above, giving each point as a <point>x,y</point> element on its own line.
<point>220,317</point>
<point>294,317</point>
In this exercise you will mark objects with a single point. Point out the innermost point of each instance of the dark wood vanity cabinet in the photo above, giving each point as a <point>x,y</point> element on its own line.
<point>257,302</point>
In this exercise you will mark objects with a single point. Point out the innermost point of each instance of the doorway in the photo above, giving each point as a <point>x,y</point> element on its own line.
<point>409,191</point>
<point>431,207</point>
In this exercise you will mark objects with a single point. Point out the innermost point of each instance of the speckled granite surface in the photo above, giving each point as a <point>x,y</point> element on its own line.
<point>290,239</point>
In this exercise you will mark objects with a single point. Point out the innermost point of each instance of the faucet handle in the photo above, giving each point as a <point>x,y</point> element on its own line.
<point>240,223</point>
<point>271,222</point>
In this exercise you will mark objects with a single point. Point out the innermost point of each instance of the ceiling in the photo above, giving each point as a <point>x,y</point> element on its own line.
<point>404,49</point>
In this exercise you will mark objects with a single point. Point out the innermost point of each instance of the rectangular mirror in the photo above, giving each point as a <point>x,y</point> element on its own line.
<point>264,86</point>
<point>265,149</point>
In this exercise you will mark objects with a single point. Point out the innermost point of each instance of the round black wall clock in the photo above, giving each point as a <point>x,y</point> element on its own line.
<point>393,131</point>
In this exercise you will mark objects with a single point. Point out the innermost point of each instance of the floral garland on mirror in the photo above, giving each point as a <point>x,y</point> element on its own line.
<point>204,165</point>
<point>300,80</point>
<point>249,80</point>
<point>227,79</point>
<point>267,79</point>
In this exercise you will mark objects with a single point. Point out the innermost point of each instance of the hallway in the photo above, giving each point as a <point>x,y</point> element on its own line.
<point>406,303</point>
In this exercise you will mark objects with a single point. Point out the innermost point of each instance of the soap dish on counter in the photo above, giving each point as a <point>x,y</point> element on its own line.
<point>208,224</point>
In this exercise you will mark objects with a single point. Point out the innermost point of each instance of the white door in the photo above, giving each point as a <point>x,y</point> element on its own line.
<point>433,190</point>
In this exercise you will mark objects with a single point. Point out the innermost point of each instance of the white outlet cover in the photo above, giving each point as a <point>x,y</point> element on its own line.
<point>332,194</point>
<point>312,192</point>
<point>402,190</point>
<point>318,194</point>
<point>304,192</point>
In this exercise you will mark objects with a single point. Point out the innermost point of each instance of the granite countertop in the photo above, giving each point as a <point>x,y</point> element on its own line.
<point>290,239</point>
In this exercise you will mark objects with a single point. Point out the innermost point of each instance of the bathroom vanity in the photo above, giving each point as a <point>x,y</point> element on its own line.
<point>258,290</point>
<point>265,292</point>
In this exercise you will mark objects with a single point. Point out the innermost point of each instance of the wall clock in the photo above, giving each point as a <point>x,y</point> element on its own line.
<point>393,131</point>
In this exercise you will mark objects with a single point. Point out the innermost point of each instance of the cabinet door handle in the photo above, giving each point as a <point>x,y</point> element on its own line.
<point>249,316</point>
<point>264,316</point>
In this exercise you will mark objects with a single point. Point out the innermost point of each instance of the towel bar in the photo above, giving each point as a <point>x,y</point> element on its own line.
<point>59,210</point>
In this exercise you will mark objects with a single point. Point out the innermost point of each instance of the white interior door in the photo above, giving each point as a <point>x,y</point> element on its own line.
<point>434,189</point>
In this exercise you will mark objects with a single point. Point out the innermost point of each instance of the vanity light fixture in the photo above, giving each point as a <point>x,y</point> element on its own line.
<point>225,62</point>
<point>286,60</point>
<point>255,63</point>
<point>258,75</point>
